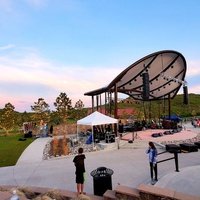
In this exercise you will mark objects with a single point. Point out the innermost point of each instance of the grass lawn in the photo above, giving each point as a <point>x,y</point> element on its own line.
<point>11,149</point>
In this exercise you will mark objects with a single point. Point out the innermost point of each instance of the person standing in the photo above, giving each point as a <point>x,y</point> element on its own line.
<point>152,152</point>
<point>80,170</point>
<point>120,127</point>
<point>51,130</point>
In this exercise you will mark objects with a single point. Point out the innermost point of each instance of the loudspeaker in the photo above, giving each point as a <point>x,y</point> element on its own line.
<point>22,139</point>
<point>145,79</point>
<point>28,135</point>
<point>110,138</point>
<point>198,144</point>
<point>173,148</point>
<point>185,95</point>
<point>189,147</point>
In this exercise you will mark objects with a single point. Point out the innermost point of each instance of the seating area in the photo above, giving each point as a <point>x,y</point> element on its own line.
<point>131,178</point>
<point>142,192</point>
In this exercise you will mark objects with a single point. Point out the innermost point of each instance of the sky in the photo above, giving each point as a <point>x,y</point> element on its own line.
<point>76,46</point>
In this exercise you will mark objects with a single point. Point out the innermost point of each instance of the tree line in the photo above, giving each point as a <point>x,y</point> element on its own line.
<point>10,120</point>
<point>65,112</point>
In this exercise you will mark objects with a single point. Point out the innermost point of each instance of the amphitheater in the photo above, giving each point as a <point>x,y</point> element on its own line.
<point>131,177</point>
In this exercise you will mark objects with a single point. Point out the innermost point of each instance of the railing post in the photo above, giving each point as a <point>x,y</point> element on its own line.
<point>176,161</point>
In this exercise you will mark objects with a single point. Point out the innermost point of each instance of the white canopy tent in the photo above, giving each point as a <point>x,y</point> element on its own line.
<point>96,118</point>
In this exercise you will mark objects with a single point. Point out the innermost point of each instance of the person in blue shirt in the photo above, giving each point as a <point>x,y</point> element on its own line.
<point>152,152</point>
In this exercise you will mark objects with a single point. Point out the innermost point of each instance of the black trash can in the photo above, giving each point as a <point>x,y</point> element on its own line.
<point>102,180</point>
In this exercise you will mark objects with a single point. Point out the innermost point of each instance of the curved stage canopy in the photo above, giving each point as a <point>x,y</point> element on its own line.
<point>166,73</point>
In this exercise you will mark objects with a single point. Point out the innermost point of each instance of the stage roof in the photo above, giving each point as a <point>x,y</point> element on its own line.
<point>166,70</point>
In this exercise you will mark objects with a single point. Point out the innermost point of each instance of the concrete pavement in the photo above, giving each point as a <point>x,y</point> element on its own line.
<point>34,152</point>
<point>129,163</point>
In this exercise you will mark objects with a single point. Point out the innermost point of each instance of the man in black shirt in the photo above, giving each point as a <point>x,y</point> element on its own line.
<point>80,170</point>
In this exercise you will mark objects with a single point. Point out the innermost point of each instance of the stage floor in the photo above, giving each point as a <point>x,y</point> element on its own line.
<point>147,135</point>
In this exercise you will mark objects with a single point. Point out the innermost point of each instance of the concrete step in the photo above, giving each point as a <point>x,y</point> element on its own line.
<point>109,195</point>
<point>5,193</point>
<point>124,192</point>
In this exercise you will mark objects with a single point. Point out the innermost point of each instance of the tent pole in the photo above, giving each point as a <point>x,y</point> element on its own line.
<point>92,138</point>
<point>92,103</point>
<point>77,131</point>
<point>118,137</point>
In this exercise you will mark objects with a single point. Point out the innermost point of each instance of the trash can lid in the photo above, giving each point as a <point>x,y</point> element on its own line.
<point>101,171</point>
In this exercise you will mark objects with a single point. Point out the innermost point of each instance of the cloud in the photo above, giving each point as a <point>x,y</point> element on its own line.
<point>193,68</point>
<point>6,5</point>
<point>37,3</point>
<point>26,76</point>
<point>192,76</point>
<point>6,47</point>
<point>194,89</point>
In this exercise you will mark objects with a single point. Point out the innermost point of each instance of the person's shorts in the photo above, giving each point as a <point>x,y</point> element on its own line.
<point>80,178</point>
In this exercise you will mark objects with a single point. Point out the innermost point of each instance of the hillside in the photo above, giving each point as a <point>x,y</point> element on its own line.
<point>161,107</point>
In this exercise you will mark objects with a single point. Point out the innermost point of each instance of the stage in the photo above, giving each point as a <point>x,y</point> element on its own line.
<point>147,135</point>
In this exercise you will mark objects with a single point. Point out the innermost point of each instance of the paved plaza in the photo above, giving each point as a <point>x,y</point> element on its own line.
<point>129,163</point>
